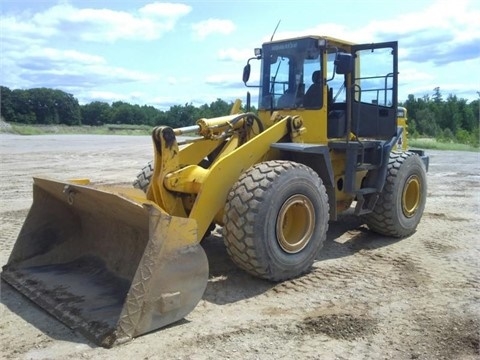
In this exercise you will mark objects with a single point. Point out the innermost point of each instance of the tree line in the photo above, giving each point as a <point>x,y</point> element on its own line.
<point>447,119</point>
<point>53,107</point>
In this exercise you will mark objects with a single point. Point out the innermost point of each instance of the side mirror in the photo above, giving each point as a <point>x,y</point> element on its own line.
<point>343,63</point>
<point>246,73</point>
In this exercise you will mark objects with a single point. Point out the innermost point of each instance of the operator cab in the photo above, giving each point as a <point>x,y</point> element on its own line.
<point>289,70</point>
<point>293,74</point>
<point>321,73</point>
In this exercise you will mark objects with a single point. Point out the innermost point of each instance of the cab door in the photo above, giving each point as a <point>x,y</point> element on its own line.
<point>374,90</point>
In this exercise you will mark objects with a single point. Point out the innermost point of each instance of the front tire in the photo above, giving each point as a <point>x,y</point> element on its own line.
<point>402,201</point>
<point>143,180</point>
<point>276,220</point>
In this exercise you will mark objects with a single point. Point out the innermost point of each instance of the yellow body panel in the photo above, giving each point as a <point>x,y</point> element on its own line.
<point>314,123</point>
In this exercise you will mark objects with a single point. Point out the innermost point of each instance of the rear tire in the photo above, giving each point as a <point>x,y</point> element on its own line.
<point>402,201</point>
<point>144,177</point>
<point>142,182</point>
<point>276,220</point>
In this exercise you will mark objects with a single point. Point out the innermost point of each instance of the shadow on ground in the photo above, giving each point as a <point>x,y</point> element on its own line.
<point>229,284</point>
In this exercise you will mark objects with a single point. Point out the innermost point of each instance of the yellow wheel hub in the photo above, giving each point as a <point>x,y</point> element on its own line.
<point>411,196</point>
<point>295,223</point>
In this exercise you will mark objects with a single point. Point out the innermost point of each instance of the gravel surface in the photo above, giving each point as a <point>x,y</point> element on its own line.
<point>367,296</point>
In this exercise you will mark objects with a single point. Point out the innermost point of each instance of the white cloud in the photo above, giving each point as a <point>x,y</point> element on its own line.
<point>170,10</point>
<point>223,79</point>
<point>443,32</point>
<point>105,96</point>
<point>97,25</point>
<point>232,54</point>
<point>410,74</point>
<point>64,56</point>
<point>67,69</point>
<point>34,53</point>
<point>212,26</point>
<point>164,102</point>
<point>172,80</point>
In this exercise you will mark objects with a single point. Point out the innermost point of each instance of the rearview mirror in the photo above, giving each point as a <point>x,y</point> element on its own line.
<point>343,63</point>
<point>246,73</point>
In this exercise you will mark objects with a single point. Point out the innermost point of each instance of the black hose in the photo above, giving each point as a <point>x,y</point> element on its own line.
<point>249,115</point>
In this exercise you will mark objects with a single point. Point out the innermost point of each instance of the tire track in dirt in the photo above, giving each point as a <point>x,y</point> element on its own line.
<point>287,337</point>
<point>12,222</point>
<point>448,254</point>
<point>408,269</point>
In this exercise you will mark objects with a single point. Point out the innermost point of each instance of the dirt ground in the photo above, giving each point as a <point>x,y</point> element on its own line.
<point>367,296</point>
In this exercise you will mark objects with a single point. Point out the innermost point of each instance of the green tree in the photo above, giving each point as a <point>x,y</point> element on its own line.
<point>7,110</point>
<point>67,108</point>
<point>125,113</point>
<point>96,113</point>
<point>22,106</point>
<point>151,114</point>
<point>204,111</point>
<point>437,95</point>
<point>180,116</point>
<point>220,108</point>
<point>426,123</point>
<point>51,106</point>
<point>122,113</point>
<point>448,115</point>
<point>468,121</point>
<point>161,118</point>
<point>43,104</point>
<point>448,120</point>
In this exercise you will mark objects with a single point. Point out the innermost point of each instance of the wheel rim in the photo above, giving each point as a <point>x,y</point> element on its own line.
<point>411,196</point>
<point>295,223</point>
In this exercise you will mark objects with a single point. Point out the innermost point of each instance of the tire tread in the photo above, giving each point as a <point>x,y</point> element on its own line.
<point>242,207</point>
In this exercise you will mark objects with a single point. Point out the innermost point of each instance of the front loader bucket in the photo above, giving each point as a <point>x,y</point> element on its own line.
<point>107,263</point>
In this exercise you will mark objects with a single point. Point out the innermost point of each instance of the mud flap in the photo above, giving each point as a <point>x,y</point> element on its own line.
<point>106,262</point>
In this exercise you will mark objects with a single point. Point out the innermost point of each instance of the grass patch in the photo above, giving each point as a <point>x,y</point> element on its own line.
<point>22,129</point>
<point>124,129</point>
<point>429,143</point>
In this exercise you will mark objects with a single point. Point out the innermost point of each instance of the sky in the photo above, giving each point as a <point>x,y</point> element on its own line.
<point>172,53</point>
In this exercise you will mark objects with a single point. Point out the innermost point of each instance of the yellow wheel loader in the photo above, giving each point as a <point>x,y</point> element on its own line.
<point>115,263</point>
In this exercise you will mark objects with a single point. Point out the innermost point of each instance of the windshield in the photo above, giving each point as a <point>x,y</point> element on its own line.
<point>291,75</point>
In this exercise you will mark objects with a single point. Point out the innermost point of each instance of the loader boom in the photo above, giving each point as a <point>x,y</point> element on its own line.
<point>208,189</point>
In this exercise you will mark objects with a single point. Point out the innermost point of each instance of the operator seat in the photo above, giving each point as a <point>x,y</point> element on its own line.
<point>313,96</point>
<point>287,100</point>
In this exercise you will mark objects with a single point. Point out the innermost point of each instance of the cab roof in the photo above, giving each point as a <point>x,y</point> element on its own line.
<point>329,39</point>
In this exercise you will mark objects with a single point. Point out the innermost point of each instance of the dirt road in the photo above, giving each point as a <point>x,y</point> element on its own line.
<point>367,297</point>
